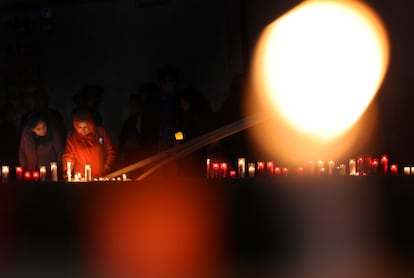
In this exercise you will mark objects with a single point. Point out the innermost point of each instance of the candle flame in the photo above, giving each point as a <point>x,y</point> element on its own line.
<point>318,68</point>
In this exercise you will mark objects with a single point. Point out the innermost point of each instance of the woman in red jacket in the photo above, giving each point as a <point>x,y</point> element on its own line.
<point>89,144</point>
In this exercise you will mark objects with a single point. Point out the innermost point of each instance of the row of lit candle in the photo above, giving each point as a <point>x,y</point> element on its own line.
<point>361,166</point>
<point>40,175</point>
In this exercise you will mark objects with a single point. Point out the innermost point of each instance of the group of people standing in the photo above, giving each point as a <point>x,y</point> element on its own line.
<point>157,112</point>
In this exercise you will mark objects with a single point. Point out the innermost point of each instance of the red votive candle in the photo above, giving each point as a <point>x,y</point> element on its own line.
<point>394,169</point>
<point>35,175</point>
<point>19,173</point>
<point>300,171</point>
<point>374,165</point>
<point>278,171</point>
<point>27,175</point>
<point>384,163</point>
<point>285,171</point>
<point>216,168</point>
<point>270,167</point>
<point>223,168</point>
<point>260,168</point>
<point>232,174</point>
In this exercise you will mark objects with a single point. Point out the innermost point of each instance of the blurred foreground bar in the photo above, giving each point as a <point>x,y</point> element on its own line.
<point>289,226</point>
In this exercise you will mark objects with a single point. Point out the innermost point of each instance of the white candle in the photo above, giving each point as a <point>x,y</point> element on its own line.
<point>42,173</point>
<point>53,170</point>
<point>241,167</point>
<point>311,167</point>
<point>208,168</point>
<point>252,169</point>
<point>352,167</point>
<point>407,171</point>
<point>124,177</point>
<point>320,167</point>
<point>331,167</point>
<point>69,170</point>
<point>88,172</point>
<point>412,170</point>
<point>5,173</point>
<point>342,169</point>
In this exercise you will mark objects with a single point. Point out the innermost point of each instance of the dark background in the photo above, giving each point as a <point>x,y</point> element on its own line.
<point>119,44</point>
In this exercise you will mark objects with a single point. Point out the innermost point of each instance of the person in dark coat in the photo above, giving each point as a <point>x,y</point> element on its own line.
<point>39,144</point>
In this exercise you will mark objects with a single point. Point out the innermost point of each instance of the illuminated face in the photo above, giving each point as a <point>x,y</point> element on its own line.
<point>40,129</point>
<point>83,128</point>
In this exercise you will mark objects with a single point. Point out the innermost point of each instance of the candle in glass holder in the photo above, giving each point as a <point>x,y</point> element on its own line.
<point>35,175</point>
<point>42,171</point>
<point>232,174</point>
<point>342,169</point>
<point>69,170</point>
<point>4,173</point>
<point>407,171</point>
<point>88,172</point>
<point>311,167</point>
<point>223,169</point>
<point>285,171</point>
<point>384,164</point>
<point>331,167</point>
<point>252,169</point>
<point>124,177</point>
<point>394,169</point>
<point>352,167</point>
<point>19,173</point>
<point>412,170</point>
<point>270,168</point>
<point>300,171</point>
<point>241,162</point>
<point>216,169</point>
<point>321,165</point>
<point>208,162</point>
<point>53,170</point>
<point>278,171</point>
<point>27,175</point>
<point>374,166</point>
<point>260,168</point>
<point>360,166</point>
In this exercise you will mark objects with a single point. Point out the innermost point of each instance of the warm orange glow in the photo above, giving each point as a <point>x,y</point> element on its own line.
<point>319,67</point>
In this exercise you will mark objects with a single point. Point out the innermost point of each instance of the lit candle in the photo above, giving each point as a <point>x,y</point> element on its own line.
<point>241,162</point>
<point>352,167</point>
<point>412,170</point>
<point>331,167</point>
<point>320,166</point>
<point>5,173</point>
<point>374,165</point>
<point>407,171</point>
<point>42,173</point>
<point>342,169</point>
<point>88,172</point>
<point>360,166</point>
<point>208,162</point>
<point>35,175</point>
<point>124,177</point>
<point>223,168</point>
<point>285,171</point>
<point>216,168</point>
<point>53,170</point>
<point>252,169</point>
<point>69,170</point>
<point>300,171</point>
<point>260,168</point>
<point>19,173</point>
<point>232,174</point>
<point>78,177</point>
<point>278,171</point>
<point>384,164</point>
<point>311,167</point>
<point>394,169</point>
<point>368,165</point>
<point>27,175</point>
<point>270,167</point>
